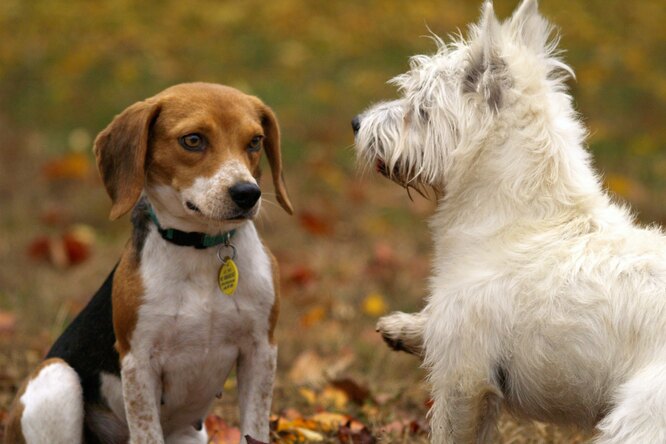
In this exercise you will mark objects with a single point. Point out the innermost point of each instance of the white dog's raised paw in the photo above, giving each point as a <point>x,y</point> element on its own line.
<point>402,332</point>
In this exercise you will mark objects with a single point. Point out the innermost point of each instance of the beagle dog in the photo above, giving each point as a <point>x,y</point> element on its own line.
<point>194,294</point>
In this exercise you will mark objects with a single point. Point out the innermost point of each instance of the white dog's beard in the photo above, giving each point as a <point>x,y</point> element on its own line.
<point>402,178</point>
<point>372,155</point>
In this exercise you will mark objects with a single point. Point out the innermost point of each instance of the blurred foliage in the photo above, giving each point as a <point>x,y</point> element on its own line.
<point>66,65</point>
<point>356,248</point>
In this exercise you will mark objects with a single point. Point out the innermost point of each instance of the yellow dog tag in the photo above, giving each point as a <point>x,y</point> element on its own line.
<point>227,278</point>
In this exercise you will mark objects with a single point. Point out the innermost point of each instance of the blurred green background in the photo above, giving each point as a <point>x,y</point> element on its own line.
<point>357,246</point>
<point>67,65</point>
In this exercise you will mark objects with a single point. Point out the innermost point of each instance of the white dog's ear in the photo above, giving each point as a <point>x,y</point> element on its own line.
<point>529,27</point>
<point>486,73</point>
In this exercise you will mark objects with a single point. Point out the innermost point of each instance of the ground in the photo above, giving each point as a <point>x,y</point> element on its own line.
<point>357,247</point>
<point>340,269</point>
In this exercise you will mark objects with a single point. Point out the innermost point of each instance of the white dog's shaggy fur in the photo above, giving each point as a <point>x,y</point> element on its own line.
<point>546,298</point>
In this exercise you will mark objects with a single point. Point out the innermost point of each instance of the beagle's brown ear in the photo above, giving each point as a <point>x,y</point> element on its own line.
<point>273,153</point>
<point>121,150</point>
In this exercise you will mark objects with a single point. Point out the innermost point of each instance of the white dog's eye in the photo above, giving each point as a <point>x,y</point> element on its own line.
<point>193,142</point>
<point>255,144</point>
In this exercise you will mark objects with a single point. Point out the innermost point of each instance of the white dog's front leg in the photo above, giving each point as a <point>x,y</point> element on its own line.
<point>466,412</point>
<point>403,331</point>
<point>141,396</point>
<point>256,372</point>
<point>466,376</point>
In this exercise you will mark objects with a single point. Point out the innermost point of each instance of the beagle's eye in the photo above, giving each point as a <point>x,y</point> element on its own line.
<point>255,144</point>
<point>193,142</point>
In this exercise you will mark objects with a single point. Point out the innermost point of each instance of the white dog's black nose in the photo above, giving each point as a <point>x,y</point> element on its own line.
<point>356,124</point>
<point>245,194</point>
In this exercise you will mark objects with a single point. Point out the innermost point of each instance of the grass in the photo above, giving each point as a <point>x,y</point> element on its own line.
<point>64,73</point>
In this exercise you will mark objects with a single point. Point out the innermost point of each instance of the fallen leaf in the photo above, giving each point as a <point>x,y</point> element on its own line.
<point>405,427</point>
<point>219,432</point>
<point>73,166</point>
<point>328,421</point>
<point>339,363</point>
<point>76,250</point>
<point>38,249</point>
<point>353,390</point>
<point>418,426</point>
<point>291,414</point>
<point>371,411</point>
<point>334,397</point>
<point>374,305</point>
<point>384,254</point>
<point>308,369</point>
<point>295,430</point>
<point>301,275</point>
<point>83,233</point>
<point>7,323</point>
<point>314,224</point>
<point>70,248</point>
<point>313,316</point>
<point>347,435</point>
<point>308,394</point>
<point>251,440</point>
<point>290,437</point>
<point>310,435</point>
<point>396,427</point>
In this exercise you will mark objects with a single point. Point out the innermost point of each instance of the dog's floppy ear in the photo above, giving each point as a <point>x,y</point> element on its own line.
<point>121,149</point>
<point>529,27</point>
<point>487,73</point>
<point>274,155</point>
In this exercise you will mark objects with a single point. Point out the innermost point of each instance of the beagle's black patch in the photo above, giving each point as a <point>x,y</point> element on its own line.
<point>87,345</point>
<point>140,223</point>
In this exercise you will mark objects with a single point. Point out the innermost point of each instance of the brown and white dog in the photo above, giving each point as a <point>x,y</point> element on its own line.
<point>147,356</point>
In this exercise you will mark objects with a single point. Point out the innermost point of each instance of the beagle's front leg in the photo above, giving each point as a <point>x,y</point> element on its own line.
<point>141,395</point>
<point>256,372</point>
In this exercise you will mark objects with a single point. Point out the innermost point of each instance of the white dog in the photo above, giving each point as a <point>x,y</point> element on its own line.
<point>546,298</point>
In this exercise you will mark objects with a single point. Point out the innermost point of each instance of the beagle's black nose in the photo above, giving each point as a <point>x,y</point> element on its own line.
<point>356,124</point>
<point>245,194</point>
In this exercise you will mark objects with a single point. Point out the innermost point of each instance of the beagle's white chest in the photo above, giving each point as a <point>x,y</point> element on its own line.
<point>190,330</point>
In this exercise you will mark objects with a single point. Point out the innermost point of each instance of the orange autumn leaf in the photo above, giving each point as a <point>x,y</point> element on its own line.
<point>315,224</point>
<point>74,166</point>
<point>285,424</point>
<point>313,316</point>
<point>333,397</point>
<point>329,421</point>
<point>219,432</point>
<point>312,428</point>
<point>7,322</point>
<point>70,248</point>
<point>301,275</point>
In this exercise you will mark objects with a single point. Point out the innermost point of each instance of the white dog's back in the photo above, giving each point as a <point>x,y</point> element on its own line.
<point>545,296</point>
